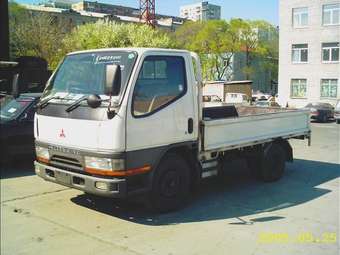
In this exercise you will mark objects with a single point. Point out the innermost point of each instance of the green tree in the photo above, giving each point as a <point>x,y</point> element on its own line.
<point>109,34</point>
<point>259,40</point>
<point>216,44</point>
<point>186,33</point>
<point>34,33</point>
<point>210,43</point>
<point>40,34</point>
<point>270,55</point>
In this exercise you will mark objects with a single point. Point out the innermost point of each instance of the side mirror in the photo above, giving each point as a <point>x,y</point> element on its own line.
<point>16,86</point>
<point>113,80</point>
<point>94,101</point>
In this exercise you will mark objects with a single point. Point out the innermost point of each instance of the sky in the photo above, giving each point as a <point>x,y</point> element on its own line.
<point>267,10</point>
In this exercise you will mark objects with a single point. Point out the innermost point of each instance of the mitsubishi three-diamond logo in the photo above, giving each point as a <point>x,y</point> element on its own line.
<point>62,134</point>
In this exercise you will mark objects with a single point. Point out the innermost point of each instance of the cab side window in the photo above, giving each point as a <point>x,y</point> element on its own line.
<point>161,81</point>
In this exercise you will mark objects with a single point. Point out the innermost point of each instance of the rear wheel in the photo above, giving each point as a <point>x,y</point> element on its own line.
<point>323,118</point>
<point>273,164</point>
<point>171,184</point>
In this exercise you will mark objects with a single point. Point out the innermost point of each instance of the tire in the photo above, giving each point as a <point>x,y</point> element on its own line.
<point>323,119</point>
<point>254,165</point>
<point>338,121</point>
<point>170,186</point>
<point>273,164</point>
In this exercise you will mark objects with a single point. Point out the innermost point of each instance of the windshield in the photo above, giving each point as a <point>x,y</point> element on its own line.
<point>84,74</point>
<point>211,98</point>
<point>11,108</point>
<point>314,105</point>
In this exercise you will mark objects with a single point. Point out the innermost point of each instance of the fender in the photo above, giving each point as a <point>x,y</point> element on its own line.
<point>262,150</point>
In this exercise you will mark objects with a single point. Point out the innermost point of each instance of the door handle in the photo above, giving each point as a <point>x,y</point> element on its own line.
<point>190,125</point>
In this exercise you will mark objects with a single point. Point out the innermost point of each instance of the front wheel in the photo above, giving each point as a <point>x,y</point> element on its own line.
<point>171,184</point>
<point>273,164</point>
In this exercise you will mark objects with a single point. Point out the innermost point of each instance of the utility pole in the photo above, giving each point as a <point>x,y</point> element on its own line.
<point>147,12</point>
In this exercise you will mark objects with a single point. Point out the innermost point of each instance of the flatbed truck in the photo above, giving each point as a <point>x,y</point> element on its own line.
<point>130,123</point>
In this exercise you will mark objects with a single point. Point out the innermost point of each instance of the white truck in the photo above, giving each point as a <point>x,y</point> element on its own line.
<point>237,98</point>
<point>230,98</point>
<point>129,123</point>
<point>210,100</point>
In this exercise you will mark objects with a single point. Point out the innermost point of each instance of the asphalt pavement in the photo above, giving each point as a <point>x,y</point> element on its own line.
<point>232,214</point>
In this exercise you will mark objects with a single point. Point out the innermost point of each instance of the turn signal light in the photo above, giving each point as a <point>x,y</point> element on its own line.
<point>118,173</point>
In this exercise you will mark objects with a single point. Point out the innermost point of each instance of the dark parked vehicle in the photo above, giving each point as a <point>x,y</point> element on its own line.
<point>337,112</point>
<point>267,104</point>
<point>17,122</point>
<point>320,111</point>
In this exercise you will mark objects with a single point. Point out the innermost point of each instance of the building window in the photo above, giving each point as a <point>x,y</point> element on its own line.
<point>330,52</point>
<point>331,14</point>
<point>300,53</point>
<point>300,17</point>
<point>329,88</point>
<point>299,88</point>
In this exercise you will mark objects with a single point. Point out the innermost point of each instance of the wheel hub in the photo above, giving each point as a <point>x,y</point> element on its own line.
<point>170,184</point>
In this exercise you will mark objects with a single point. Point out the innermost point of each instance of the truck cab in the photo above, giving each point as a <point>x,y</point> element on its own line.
<point>105,139</point>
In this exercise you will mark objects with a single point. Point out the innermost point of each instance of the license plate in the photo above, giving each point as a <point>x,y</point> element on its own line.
<point>63,177</point>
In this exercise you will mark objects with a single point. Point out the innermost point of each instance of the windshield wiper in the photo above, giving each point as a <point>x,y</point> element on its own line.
<point>45,103</point>
<point>75,104</point>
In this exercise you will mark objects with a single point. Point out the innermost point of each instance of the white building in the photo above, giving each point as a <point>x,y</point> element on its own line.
<point>201,11</point>
<point>309,52</point>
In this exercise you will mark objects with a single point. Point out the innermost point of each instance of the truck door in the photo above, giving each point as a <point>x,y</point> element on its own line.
<point>163,105</point>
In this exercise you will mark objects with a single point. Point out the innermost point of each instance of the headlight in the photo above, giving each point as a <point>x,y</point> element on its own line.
<point>104,164</point>
<point>110,167</point>
<point>42,154</point>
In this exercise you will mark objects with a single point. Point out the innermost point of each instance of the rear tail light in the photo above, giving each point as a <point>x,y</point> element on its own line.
<point>314,112</point>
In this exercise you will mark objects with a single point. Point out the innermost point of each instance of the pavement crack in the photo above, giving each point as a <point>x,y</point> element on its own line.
<point>35,195</point>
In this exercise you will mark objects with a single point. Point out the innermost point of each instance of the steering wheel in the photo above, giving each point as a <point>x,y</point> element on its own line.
<point>139,95</point>
<point>154,98</point>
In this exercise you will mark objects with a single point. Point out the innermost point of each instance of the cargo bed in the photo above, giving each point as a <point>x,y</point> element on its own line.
<point>229,127</point>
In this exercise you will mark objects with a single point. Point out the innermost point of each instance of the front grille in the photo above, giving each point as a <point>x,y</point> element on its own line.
<point>66,163</point>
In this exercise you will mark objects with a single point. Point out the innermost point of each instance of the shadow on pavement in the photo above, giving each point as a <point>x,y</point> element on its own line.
<point>329,121</point>
<point>233,195</point>
<point>18,168</point>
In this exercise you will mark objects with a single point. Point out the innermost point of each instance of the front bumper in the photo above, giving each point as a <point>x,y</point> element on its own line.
<point>89,184</point>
